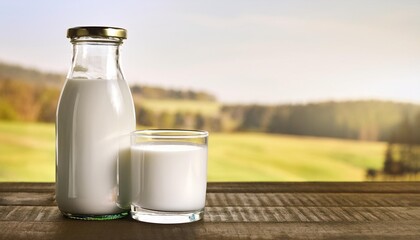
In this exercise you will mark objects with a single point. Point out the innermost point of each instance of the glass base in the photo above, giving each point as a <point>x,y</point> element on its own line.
<point>162,217</point>
<point>95,217</point>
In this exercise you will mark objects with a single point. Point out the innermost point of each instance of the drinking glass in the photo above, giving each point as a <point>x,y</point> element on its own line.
<point>168,175</point>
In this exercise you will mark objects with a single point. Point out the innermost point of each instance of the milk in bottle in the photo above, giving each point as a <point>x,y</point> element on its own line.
<point>95,116</point>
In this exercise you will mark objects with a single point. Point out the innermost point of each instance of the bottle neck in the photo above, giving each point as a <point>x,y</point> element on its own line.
<point>95,59</point>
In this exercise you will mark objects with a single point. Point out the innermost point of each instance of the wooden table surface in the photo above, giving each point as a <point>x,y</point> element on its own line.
<point>369,210</point>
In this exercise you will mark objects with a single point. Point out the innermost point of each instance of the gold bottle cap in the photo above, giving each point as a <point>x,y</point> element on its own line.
<point>96,31</point>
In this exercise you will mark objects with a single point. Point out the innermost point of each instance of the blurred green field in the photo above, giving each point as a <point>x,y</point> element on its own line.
<point>27,151</point>
<point>206,108</point>
<point>27,154</point>
<point>266,157</point>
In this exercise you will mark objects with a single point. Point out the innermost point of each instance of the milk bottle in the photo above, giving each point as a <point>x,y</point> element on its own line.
<point>95,116</point>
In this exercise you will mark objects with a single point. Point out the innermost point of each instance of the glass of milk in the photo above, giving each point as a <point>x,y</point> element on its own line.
<point>168,175</point>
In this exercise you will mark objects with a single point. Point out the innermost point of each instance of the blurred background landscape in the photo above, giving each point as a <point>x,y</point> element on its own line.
<point>290,90</point>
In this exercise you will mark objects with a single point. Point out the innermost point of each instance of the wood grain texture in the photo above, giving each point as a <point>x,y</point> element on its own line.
<point>235,211</point>
<point>245,214</point>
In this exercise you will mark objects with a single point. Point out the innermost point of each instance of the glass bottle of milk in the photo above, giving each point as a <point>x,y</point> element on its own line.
<point>95,116</point>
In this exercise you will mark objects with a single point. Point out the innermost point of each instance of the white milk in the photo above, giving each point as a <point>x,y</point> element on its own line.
<point>94,120</point>
<point>169,176</point>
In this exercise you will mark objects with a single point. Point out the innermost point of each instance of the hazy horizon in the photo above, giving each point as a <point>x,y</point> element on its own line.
<point>269,52</point>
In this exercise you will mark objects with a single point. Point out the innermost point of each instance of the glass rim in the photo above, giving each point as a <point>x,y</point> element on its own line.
<point>170,133</point>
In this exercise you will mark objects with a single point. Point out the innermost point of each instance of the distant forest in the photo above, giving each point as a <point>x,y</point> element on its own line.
<point>363,120</point>
<point>30,95</point>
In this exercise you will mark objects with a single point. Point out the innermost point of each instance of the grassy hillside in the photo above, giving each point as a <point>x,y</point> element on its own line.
<point>264,157</point>
<point>27,154</point>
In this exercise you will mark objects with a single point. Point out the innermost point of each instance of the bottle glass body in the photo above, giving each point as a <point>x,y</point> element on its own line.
<point>95,116</point>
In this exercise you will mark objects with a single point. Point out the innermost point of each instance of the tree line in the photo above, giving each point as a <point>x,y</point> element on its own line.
<point>186,120</point>
<point>363,120</point>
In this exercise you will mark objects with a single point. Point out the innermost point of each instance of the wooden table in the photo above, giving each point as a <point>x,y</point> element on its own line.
<point>235,211</point>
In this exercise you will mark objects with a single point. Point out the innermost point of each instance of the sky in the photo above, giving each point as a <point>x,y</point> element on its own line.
<point>242,51</point>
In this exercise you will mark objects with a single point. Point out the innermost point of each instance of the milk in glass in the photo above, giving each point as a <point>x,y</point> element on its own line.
<point>169,176</point>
